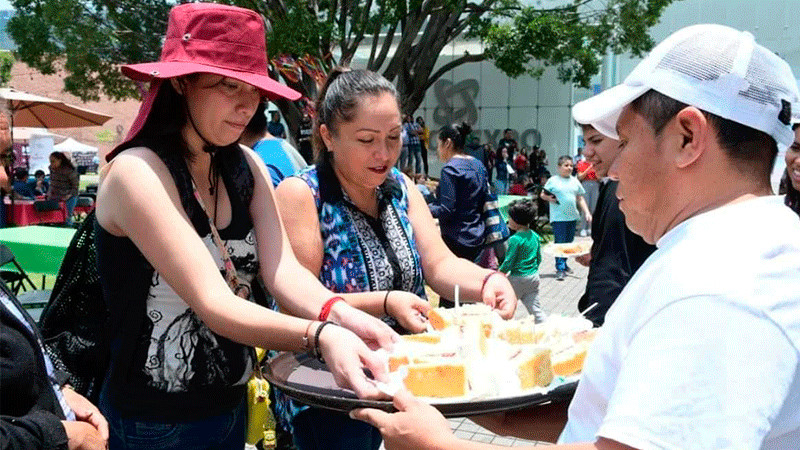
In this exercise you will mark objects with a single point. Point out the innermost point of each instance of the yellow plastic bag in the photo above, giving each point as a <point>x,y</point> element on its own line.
<point>260,421</point>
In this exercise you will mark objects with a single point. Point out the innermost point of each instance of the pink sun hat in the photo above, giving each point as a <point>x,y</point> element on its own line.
<point>209,38</point>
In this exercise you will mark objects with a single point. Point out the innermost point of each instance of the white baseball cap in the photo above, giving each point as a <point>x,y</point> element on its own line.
<point>714,68</point>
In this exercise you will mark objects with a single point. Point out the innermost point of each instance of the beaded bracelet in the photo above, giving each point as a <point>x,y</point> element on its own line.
<point>486,278</point>
<point>386,303</point>
<point>326,308</point>
<point>317,351</point>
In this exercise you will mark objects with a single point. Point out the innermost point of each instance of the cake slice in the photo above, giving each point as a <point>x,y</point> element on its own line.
<point>569,362</point>
<point>533,367</point>
<point>439,379</point>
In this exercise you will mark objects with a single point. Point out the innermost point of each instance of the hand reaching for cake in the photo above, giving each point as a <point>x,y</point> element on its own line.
<point>498,293</point>
<point>347,356</point>
<point>374,332</point>
<point>408,309</point>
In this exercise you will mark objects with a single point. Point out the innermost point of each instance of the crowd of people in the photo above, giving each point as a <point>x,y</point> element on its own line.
<point>213,238</point>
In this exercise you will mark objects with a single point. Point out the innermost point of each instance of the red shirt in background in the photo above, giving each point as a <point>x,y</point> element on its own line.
<point>517,189</point>
<point>520,163</point>
<point>582,166</point>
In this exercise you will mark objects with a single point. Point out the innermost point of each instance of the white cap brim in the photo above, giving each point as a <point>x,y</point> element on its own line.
<point>602,111</point>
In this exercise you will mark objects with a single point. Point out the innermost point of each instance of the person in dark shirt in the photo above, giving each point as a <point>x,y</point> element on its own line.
<point>40,184</point>
<point>460,195</point>
<point>616,252</point>
<point>275,127</point>
<point>38,410</point>
<point>22,188</point>
<point>304,139</point>
<point>508,142</point>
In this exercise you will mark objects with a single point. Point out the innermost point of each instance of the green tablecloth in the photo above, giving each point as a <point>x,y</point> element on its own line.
<point>504,200</point>
<point>38,249</point>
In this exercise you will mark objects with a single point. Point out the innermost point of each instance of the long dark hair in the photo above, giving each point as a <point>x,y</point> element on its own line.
<point>62,158</point>
<point>792,199</point>
<point>457,134</point>
<point>338,99</point>
<point>162,130</point>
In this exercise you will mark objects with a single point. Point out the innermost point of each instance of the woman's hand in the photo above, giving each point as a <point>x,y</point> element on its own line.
<point>347,356</point>
<point>372,331</point>
<point>83,436</point>
<point>415,426</point>
<point>498,293</point>
<point>85,411</point>
<point>410,310</point>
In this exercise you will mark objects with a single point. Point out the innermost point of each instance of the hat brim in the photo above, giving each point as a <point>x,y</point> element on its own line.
<point>164,70</point>
<point>602,111</point>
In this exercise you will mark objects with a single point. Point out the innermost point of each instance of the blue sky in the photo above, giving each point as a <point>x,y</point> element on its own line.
<point>5,4</point>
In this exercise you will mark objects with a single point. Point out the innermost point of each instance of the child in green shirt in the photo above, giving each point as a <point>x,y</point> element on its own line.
<point>523,256</point>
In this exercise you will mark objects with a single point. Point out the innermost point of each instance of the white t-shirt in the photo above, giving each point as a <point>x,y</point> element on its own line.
<point>700,350</point>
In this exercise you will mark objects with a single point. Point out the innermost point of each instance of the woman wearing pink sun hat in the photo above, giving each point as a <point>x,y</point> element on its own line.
<point>183,296</point>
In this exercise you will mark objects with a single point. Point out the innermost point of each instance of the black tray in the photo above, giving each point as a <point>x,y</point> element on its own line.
<point>308,381</point>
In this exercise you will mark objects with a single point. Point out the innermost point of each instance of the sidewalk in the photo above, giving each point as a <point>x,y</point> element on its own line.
<point>557,297</point>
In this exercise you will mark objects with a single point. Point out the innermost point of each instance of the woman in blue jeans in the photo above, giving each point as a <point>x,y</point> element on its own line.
<point>181,206</point>
<point>566,196</point>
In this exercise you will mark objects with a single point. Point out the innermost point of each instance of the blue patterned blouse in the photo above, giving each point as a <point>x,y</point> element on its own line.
<point>361,253</point>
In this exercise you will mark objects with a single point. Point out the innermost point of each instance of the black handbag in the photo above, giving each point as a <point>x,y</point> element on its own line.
<point>73,324</point>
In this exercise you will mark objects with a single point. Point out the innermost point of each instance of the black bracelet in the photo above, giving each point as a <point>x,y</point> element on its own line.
<point>317,351</point>
<point>385,303</point>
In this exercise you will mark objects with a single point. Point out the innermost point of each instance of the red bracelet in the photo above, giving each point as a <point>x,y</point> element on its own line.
<point>326,308</point>
<point>486,278</point>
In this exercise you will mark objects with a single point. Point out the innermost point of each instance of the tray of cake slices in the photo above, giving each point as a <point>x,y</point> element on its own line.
<point>469,362</point>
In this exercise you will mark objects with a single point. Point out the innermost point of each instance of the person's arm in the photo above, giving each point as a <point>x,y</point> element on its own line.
<point>299,214</point>
<point>419,426</point>
<point>544,196</point>
<point>583,171</point>
<point>443,270</point>
<point>138,199</point>
<point>36,430</point>
<point>445,204</point>
<point>584,208</point>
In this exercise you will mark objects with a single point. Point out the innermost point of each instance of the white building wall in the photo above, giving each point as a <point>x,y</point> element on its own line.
<point>539,110</point>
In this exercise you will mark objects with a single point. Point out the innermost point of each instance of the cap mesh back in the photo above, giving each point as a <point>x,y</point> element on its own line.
<point>692,57</point>
<point>764,87</point>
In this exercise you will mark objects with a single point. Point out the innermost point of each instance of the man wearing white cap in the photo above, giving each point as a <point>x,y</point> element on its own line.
<point>700,350</point>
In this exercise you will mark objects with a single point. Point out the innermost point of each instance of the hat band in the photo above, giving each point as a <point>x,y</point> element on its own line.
<point>234,56</point>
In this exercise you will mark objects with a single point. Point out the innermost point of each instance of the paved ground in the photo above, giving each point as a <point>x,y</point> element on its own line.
<point>557,297</point>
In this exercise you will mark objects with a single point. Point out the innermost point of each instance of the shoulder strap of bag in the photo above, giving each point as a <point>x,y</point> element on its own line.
<point>230,270</point>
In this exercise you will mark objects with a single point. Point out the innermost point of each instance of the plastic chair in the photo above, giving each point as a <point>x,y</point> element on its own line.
<point>34,302</point>
<point>15,279</point>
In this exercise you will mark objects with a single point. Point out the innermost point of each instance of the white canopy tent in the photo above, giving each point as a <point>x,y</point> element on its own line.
<point>72,146</point>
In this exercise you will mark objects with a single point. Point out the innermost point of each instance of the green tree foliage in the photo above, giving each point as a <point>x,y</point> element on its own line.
<point>88,39</point>
<point>6,62</point>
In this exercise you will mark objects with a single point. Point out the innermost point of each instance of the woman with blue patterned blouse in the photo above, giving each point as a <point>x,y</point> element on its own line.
<point>365,229</point>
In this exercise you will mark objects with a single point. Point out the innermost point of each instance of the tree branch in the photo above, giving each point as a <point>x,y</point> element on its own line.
<point>387,45</point>
<point>467,58</point>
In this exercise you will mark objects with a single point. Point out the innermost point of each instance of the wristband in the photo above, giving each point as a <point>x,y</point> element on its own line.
<point>386,303</point>
<point>486,278</point>
<point>317,351</point>
<point>306,342</point>
<point>326,308</point>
